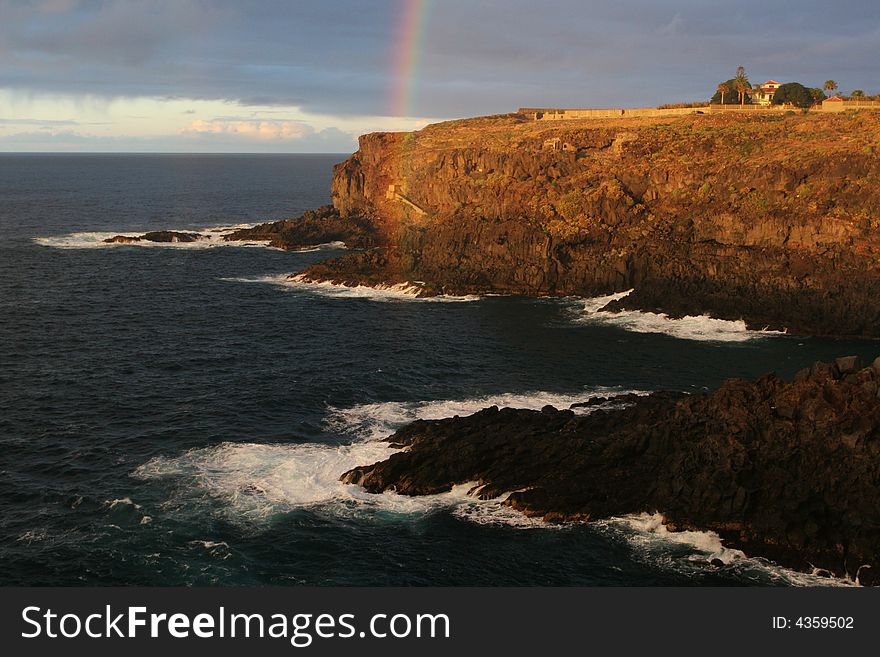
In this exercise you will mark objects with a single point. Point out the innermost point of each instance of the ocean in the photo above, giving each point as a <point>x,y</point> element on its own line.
<point>179,414</point>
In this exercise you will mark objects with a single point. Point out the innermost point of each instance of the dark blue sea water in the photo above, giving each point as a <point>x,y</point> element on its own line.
<point>175,415</point>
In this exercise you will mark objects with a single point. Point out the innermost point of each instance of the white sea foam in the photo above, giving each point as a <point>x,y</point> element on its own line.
<point>690,327</point>
<point>378,420</point>
<point>254,482</point>
<point>322,247</point>
<point>122,502</point>
<point>249,484</point>
<point>211,237</point>
<point>399,292</point>
<point>691,552</point>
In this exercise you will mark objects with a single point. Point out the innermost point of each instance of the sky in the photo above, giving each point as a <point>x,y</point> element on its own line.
<point>293,76</point>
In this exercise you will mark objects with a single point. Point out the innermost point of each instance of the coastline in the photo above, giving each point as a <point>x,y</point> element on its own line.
<point>766,256</point>
<point>783,470</point>
<point>690,213</point>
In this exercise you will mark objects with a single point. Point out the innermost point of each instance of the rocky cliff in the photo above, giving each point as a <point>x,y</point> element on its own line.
<point>788,470</point>
<point>772,219</point>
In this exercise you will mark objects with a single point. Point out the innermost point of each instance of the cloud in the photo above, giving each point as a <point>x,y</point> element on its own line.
<point>46,122</point>
<point>215,136</point>
<point>249,129</point>
<point>342,62</point>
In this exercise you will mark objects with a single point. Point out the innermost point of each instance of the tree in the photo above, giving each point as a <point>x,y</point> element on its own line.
<point>817,94</point>
<point>794,93</point>
<point>742,85</point>
<point>830,86</point>
<point>723,89</point>
<point>731,95</point>
<point>742,89</point>
<point>857,93</point>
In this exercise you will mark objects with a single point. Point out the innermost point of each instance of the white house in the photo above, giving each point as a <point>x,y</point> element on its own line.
<point>765,95</point>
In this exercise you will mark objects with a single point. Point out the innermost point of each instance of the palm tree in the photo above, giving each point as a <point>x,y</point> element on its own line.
<point>830,86</point>
<point>742,88</point>
<point>723,88</point>
<point>741,84</point>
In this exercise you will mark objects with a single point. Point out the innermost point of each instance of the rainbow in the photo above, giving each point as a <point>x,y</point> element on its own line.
<point>407,55</point>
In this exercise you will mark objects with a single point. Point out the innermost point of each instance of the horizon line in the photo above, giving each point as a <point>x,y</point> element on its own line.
<point>2,153</point>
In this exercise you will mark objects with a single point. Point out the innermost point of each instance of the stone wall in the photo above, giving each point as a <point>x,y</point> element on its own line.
<point>556,114</point>
<point>844,105</point>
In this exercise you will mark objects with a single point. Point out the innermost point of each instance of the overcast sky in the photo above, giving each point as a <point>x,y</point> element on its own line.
<point>297,76</point>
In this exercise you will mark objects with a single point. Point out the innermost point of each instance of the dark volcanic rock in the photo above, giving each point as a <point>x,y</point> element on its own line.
<point>312,228</point>
<point>169,236</point>
<point>781,238</point>
<point>784,470</point>
<point>122,239</point>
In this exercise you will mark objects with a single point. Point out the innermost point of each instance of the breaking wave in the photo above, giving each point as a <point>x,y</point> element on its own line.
<point>249,484</point>
<point>398,292</point>
<point>692,552</point>
<point>375,421</point>
<point>254,482</point>
<point>690,327</point>
<point>211,237</point>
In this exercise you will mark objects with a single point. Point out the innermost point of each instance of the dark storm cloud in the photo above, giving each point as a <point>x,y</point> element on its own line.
<point>479,57</point>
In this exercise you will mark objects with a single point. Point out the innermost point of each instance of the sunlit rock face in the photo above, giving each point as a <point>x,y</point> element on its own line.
<point>767,219</point>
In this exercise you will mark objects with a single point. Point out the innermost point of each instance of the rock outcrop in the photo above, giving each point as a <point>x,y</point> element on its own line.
<point>166,236</point>
<point>775,220</point>
<point>312,228</point>
<point>788,470</point>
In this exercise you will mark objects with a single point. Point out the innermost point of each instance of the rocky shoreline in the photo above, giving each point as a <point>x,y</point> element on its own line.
<point>695,214</point>
<point>158,236</point>
<point>313,228</point>
<point>787,470</point>
<point>698,216</point>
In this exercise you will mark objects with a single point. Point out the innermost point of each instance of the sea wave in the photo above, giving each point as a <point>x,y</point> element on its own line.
<point>690,327</point>
<point>378,420</point>
<point>249,484</point>
<point>211,237</point>
<point>254,482</point>
<point>383,293</point>
<point>692,552</point>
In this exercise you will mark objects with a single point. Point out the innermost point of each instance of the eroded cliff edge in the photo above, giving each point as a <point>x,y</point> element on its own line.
<point>775,220</point>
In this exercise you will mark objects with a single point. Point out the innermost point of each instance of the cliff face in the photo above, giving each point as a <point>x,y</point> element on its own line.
<point>771,219</point>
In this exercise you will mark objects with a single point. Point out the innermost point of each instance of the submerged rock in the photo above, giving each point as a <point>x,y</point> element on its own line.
<point>788,470</point>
